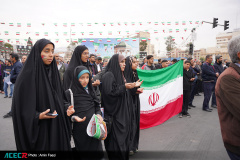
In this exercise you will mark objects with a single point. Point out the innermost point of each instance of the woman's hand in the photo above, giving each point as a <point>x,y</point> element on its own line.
<point>100,118</point>
<point>96,83</point>
<point>70,110</point>
<point>78,119</point>
<point>138,83</point>
<point>129,85</point>
<point>44,116</point>
<point>139,90</point>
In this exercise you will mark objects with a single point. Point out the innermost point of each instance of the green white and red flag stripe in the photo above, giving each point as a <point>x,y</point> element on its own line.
<point>65,33</point>
<point>137,32</point>
<point>185,29</point>
<point>57,40</point>
<point>125,23</point>
<point>100,33</point>
<point>134,39</point>
<point>82,33</point>
<point>91,40</point>
<point>126,39</point>
<point>196,22</point>
<point>1,40</point>
<point>45,33</point>
<point>56,33</point>
<point>177,30</point>
<point>127,32</point>
<point>183,22</point>
<point>133,23</point>
<point>73,24</point>
<point>168,23</point>
<point>108,40</point>
<point>109,32</point>
<point>64,24</point>
<point>73,33</point>
<point>67,40</point>
<point>17,33</point>
<point>119,32</point>
<point>190,22</point>
<point>11,24</point>
<point>104,24</point>
<point>90,33</point>
<point>155,23</point>
<point>84,40</point>
<point>155,31</point>
<point>19,25</point>
<point>173,38</point>
<point>118,39</point>
<point>28,24</point>
<point>170,30</point>
<point>149,39</point>
<point>157,107</point>
<point>112,24</point>
<point>6,33</point>
<point>163,31</point>
<point>43,24</point>
<point>89,24</point>
<point>75,40</point>
<point>37,33</point>
<point>140,23</point>
<point>55,24</point>
<point>144,39</point>
<point>100,39</point>
<point>163,23</point>
<point>17,40</point>
<point>176,23</point>
<point>119,23</point>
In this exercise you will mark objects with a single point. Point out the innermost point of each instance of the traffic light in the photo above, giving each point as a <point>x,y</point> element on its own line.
<point>226,25</point>
<point>191,49</point>
<point>215,22</point>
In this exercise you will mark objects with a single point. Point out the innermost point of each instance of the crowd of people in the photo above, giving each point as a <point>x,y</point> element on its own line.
<point>45,119</point>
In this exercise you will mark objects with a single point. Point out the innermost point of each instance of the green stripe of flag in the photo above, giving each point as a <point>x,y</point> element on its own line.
<point>160,76</point>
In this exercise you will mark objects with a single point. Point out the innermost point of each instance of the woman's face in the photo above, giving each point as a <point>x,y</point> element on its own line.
<point>47,54</point>
<point>134,64</point>
<point>122,65</point>
<point>85,55</point>
<point>84,79</point>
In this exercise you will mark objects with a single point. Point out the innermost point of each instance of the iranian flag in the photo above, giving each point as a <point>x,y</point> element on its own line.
<point>73,33</point>
<point>163,23</point>
<point>183,22</point>
<point>196,22</point>
<point>37,33</point>
<point>109,32</point>
<point>55,24</point>
<point>140,23</point>
<point>137,32</point>
<point>149,39</point>
<point>176,23</point>
<point>125,23</point>
<point>185,29</point>
<point>17,33</point>
<point>91,40</point>
<point>127,32</point>
<point>155,31</point>
<point>108,40</point>
<point>118,39</point>
<point>64,24</point>
<point>190,22</point>
<point>75,40</point>
<point>173,38</point>
<point>96,45</point>
<point>119,23</point>
<point>104,24</point>
<point>133,23</point>
<point>57,40</point>
<point>177,30</point>
<point>6,33</point>
<point>56,33</point>
<point>100,33</point>
<point>100,39</point>
<point>11,24</point>
<point>162,97</point>
<point>119,32</point>
<point>73,24</point>
<point>28,24</point>
<point>89,24</point>
<point>43,24</point>
<point>65,33</point>
<point>168,23</point>
<point>105,47</point>
<point>82,33</point>
<point>163,31</point>
<point>112,24</point>
<point>17,40</point>
<point>155,23</point>
<point>45,33</point>
<point>170,30</point>
<point>84,40</point>
<point>1,40</point>
<point>144,39</point>
<point>134,39</point>
<point>126,39</point>
<point>18,24</point>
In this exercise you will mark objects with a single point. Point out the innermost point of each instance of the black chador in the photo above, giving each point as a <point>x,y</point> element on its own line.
<point>116,110</point>
<point>74,62</point>
<point>132,76</point>
<point>38,88</point>
<point>85,104</point>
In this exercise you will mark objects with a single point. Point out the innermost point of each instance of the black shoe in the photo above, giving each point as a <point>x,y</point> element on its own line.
<point>10,97</point>
<point>6,97</point>
<point>136,151</point>
<point>210,109</point>
<point>189,107</point>
<point>7,115</point>
<point>188,115</point>
<point>197,94</point>
<point>192,106</point>
<point>180,115</point>
<point>207,110</point>
<point>214,106</point>
<point>131,153</point>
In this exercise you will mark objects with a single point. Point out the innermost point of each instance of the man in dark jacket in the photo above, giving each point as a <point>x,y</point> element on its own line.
<point>2,67</point>
<point>99,64</point>
<point>195,72</point>
<point>16,68</point>
<point>93,66</point>
<point>209,77</point>
<point>188,78</point>
<point>227,92</point>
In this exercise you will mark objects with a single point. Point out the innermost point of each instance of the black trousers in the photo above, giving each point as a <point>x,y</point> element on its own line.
<point>1,83</point>
<point>186,96</point>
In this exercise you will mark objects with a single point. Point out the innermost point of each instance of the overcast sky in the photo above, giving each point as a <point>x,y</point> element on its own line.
<point>91,11</point>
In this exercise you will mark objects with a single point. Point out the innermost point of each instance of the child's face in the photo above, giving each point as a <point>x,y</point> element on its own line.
<point>84,79</point>
<point>187,66</point>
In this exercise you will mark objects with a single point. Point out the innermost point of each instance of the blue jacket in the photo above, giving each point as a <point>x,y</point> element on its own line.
<point>16,68</point>
<point>208,72</point>
<point>218,68</point>
<point>194,70</point>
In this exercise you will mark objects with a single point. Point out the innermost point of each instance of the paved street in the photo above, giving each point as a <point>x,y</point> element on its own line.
<point>198,137</point>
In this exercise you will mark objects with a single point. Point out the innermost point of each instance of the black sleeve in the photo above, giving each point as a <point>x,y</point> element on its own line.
<point>97,108</point>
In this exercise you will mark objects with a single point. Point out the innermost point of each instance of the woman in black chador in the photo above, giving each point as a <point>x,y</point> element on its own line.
<point>85,104</point>
<point>38,92</point>
<point>116,108</point>
<point>131,75</point>
<point>79,58</point>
